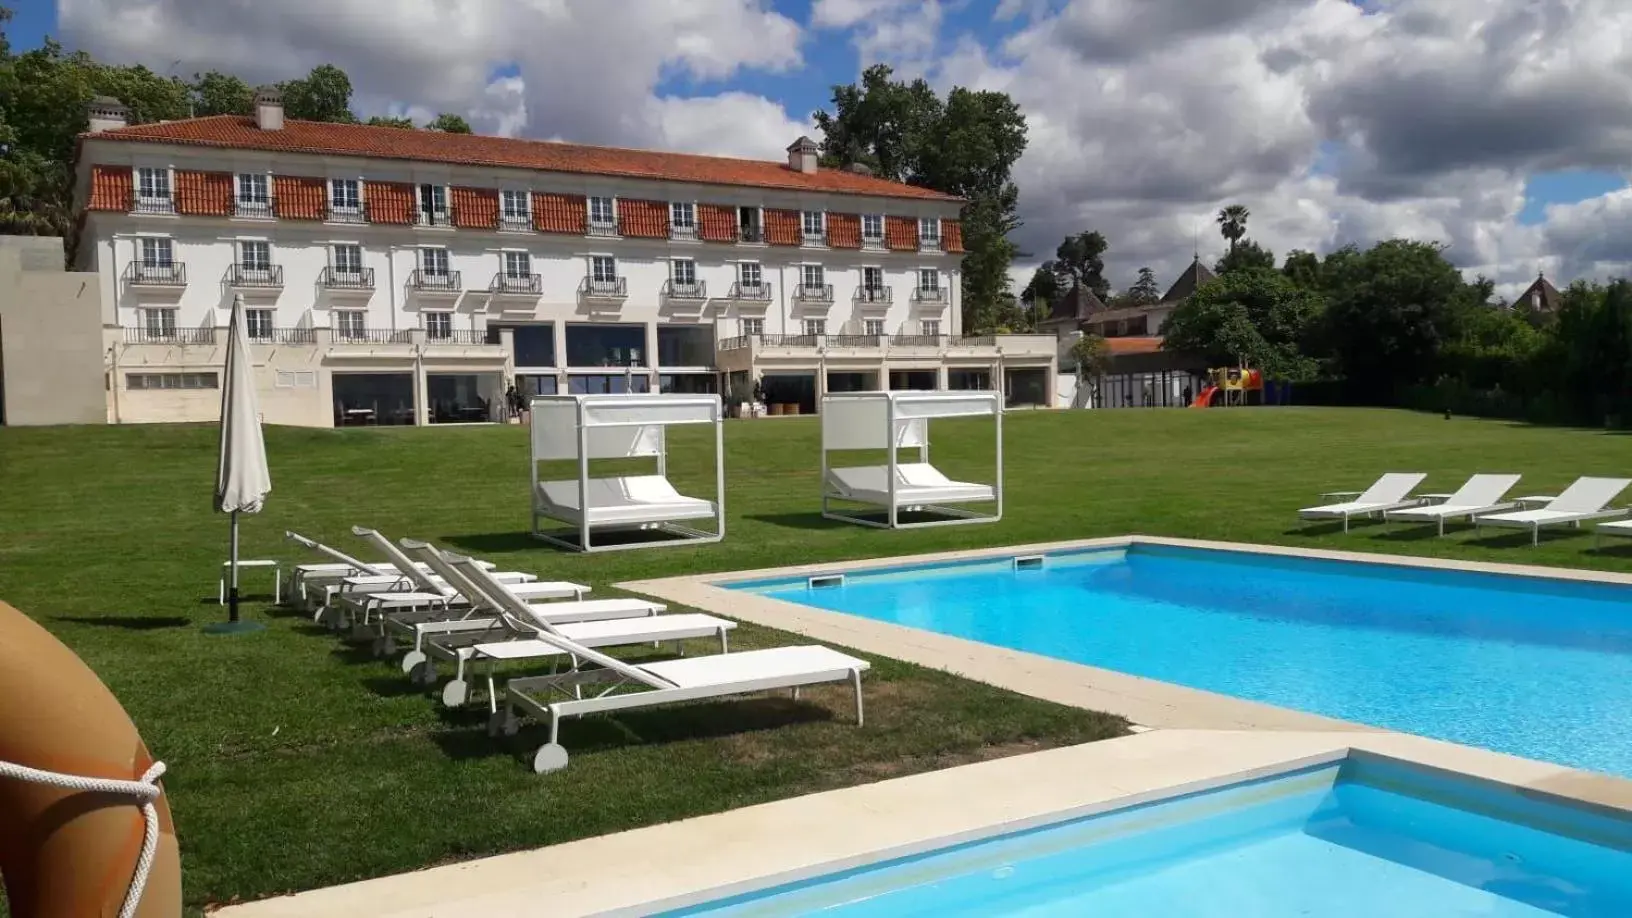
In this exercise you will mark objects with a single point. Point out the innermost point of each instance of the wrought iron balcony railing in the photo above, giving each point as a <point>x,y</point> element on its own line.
<point>435,281</point>
<point>250,208</point>
<point>742,291</point>
<point>616,288</point>
<point>517,284</point>
<point>873,295</point>
<point>814,293</point>
<point>345,213</point>
<point>341,279</point>
<point>682,290</point>
<point>175,336</point>
<point>173,274</point>
<point>270,276</point>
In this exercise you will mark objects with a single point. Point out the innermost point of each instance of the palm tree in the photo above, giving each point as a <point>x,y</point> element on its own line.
<point>1232,222</point>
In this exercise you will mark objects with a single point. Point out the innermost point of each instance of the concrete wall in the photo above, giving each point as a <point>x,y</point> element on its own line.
<point>50,337</point>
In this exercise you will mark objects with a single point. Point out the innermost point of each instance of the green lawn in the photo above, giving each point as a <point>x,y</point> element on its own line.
<point>297,762</point>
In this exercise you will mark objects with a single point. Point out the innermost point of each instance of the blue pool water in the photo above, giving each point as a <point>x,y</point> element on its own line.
<point>1533,667</point>
<point>1355,840</point>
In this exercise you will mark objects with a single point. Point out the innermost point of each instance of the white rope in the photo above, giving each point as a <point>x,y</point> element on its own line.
<point>145,789</point>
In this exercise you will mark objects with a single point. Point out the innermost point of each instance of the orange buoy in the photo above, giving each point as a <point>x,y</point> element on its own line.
<point>67,852</point>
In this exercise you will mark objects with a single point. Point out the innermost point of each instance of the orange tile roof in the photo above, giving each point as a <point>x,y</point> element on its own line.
<point>1142,344</point>
<point>318,138</point>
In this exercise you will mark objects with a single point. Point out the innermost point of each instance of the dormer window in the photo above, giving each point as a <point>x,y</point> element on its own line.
<point>153,192</point>
<point>603,217</point>
<point>682,220</point>
<point>814,224</point>
<point>515,210</point>
<point>345,201</point>
<point>254,198</point>
<point>433,206</point>
<point>929,233</point>
<point>872,230</point>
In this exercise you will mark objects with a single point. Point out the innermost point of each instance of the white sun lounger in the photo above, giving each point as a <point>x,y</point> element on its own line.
<point>1622,528</point>
<point>481,621</point>
<point>629,500</point>
<point>1480,494</point>
<point>561,695</point>
<point>1586,500</point>
<point>311,579</point>
<point>917,485</point>
<point>513,637</point>
<point>1390,492</point>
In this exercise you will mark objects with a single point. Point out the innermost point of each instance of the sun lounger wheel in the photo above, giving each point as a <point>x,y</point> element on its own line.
<point>423,673</point>
<point>455,693</point>
<point>502,723</point>
<point>549,757</point>
<point>412,659</point>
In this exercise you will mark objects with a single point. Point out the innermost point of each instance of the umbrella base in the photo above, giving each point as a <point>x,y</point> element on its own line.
<point>238,627</point>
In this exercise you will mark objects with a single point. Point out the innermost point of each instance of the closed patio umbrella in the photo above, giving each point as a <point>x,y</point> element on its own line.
<point>243,481</point>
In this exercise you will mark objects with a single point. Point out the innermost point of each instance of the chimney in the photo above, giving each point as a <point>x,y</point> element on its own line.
<point>802,155</point>
<point>269,108</point>
<point>106,113</point>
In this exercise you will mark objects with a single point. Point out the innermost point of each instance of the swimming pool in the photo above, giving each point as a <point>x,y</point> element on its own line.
<point>1361,837</point>
<point>1534,667</point>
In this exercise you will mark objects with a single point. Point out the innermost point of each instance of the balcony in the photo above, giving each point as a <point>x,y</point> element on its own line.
<point>253,210</point>
<point>683,233</point>
<point>170,336</point>
<point>152,204</point>
<point>935,342</point>
<point>813,293</point>
<point>340,279</point>
<point>816,239</point>
<point>855,342</point>
<point>516,285</point>
<point>462,337</point>
<point>138,274</point>
<point>372,336</point>
<point>795,341</point>
<point>602,228</point>
<point>929,243</point>
<point>754,293</point>
<point>436,283</point>
<point>614,290</point>
<point>438,218</point>
<point>345,213</point>
<point>515,223</point>
<point>285,336</point>
<point>751,234</point>
<point>682,290</point>
<point>872,243</point>
<point>874,296</point>
<point>246,277</point>
<point>929,295</point>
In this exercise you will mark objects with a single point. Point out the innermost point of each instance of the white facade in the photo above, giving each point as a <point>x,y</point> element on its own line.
<point>439,309</point>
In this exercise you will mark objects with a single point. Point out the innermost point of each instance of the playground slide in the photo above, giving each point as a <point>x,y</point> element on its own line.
<point>1205,399</point>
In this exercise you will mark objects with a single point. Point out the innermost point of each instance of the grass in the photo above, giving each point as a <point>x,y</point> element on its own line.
<point>297,762</point>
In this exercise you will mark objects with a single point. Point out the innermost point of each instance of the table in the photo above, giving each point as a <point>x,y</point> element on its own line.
<point>277,578</point>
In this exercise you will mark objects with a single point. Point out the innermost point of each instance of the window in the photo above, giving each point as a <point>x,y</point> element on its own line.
<point>252,188</point>
<point>296,379</point>
<point>254,256</point>
<point>434,262</point>
<point>812,276</point>
<point>748,273</point>
<point>753,327</point>
<point>931,327</point>
<point>345,194</point>
<point>153,189</point>
<point>872,278</point>
<point>872,228</point>
<point>684,271</point>
<point>433,205</point>
<point>348,259</point>
<point>159,323</point>
<point>748,228</point>
<point>258,323</point>
<point>603,216</point>
<point>815,327</point>
<point>929,280</point>
<point>812,222</point>
<point>172,381</point>
<point>929,232</point>
<point>603,269</point>
<point>518,265</point>
<point>683,219</point>
<point>873,328</point>
<point>439,325</point>
<point>515,210</point>
<point>348,323</point>
<point>157,253</point>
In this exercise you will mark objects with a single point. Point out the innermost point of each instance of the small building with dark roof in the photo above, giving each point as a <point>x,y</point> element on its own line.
<point>1540,296</point>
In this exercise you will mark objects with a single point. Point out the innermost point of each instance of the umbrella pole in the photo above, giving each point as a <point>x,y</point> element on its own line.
<point>232,594</point>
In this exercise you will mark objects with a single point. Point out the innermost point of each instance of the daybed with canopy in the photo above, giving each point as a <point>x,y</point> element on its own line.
<point>584,428</point>
<point>893,421</point>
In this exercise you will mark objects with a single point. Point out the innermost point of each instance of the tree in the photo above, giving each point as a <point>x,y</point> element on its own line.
<point>965,145</point>
<point>1232,223</point>
<point>1145,289</point>
<point>1044,286</point>
<point>449,124</point>
<point>1245,255</point>
<point>1080,260</point>
<point>217,93</point>
<point>1092,355</point>
<point>1302,268</point>
<point>390,121</point>
<point>1254,315</point>
<point>322,95</point>
<point>1391,309</point>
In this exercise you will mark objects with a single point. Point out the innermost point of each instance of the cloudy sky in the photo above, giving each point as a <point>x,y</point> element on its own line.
<point>1502,128</point>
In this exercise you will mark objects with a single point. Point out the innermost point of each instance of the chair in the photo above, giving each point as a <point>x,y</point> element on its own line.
<point>1480,494</point>
<point>1390,492</point>
<point>621,686</point>
<point>1584,501</point>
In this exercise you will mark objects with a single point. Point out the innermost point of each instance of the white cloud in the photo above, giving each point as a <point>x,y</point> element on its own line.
<point>902,33</point>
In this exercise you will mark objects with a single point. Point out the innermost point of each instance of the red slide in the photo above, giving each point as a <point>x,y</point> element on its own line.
<point>1205,399</point>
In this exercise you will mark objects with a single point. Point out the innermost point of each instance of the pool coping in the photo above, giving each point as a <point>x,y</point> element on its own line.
<point>1146,703</point>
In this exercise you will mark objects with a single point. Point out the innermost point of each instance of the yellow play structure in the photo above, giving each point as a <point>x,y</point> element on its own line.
<point>1235,383</point>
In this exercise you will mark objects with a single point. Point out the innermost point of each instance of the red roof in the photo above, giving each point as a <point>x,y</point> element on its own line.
<point>1142,344</point>
<point>323,139</point>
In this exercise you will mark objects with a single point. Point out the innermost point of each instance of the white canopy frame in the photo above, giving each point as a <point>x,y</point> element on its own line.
<point>893,421</point>
<point>587,427</point>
